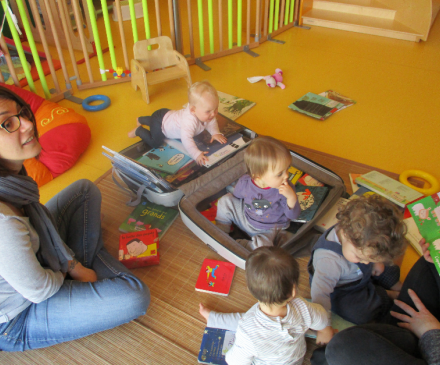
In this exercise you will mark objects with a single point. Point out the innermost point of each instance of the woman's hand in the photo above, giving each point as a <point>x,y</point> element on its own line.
<point>426,254</point>
<point>417,322</point>
<point>78,272</point>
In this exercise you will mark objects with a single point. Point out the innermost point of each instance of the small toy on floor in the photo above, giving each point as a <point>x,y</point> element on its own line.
<point>272,80</point>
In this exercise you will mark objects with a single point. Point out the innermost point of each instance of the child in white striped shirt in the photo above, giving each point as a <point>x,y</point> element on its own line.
<point>273,330</point>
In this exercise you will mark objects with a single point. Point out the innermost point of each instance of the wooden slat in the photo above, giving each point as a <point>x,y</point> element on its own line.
<point>266,17</point>
<point>171,19</point>
<point>159,24</point>
<point>220,24</point>
<point>282,10</point>
<point>190,28</point>
<point>11,67</point>
<point>248,22</point>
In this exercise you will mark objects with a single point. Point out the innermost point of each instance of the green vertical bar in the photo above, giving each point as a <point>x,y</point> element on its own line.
<point>292,10</point>
<point>230,23</point>
<point>96,39</point>
<point>286,12</point>
<point>211,26</point>
<point>34,50</point>
<point>133,20</point>
<point>271,17</point>
<point>239,21</point>
<point>20,51</point>
<point>146,20</point>
<point>201,34</point>
<point>108,31</point>
<point>277,12</point>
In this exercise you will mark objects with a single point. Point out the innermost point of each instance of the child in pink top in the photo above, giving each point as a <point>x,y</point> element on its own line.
<point>185,123</point>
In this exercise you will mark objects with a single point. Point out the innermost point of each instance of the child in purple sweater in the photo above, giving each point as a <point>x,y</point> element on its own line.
<point>264,201</point>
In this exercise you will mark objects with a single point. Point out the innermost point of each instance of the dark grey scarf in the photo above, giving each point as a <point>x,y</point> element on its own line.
<point>22,192</point>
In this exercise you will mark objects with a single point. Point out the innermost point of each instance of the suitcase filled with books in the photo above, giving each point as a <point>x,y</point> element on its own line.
<point>167,177</point>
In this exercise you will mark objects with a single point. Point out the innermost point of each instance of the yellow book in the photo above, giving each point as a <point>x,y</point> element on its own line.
<point>294,174</point>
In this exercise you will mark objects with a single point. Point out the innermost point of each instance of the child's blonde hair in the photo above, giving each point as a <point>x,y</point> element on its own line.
<point>198,89</point>
<point>375,223</point>
<point>265,153</point>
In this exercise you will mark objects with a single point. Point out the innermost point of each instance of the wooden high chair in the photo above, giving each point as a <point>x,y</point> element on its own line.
<point>157,65</point>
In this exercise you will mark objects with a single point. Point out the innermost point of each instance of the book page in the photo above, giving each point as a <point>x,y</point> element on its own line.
<point>413,235</point>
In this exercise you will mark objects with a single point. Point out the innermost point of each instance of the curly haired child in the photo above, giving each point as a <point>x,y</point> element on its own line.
<point>348,271</point>
<point>264,201</point>
<point>185,123</point>
<point>273,330</point>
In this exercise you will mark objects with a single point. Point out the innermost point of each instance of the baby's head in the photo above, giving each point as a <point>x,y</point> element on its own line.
<point>203,101</point>
<point>267,161</point>
<point>272,275</point>
<point>371,230</point>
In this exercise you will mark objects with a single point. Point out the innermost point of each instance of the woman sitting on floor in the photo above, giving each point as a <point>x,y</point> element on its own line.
<point>57,281</point>
<point>411,335</point>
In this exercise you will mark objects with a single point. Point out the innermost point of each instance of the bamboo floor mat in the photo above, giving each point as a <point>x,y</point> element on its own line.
<point>171,331</point>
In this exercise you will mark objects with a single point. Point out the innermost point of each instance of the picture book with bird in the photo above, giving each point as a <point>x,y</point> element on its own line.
<point>215,277</point>
<point>309,199</point>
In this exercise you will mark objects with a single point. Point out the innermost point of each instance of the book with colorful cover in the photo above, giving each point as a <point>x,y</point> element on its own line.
<point>138,249</point>
<point>232,106</point>
<point>215,277</point>
<point>389,188</point>
<point>334,95</point>
<point>225,151</point>
<point>316,106</point>
<point>216,343</point>
<point>294,174</point>
<point>361,192</point>
<point>164,158</point>
<point>426,214</point>
<point>226,126</point>
<point>329,219</point>
<point>309,199</point>
<point>308,180</point>
<point>148,215</point>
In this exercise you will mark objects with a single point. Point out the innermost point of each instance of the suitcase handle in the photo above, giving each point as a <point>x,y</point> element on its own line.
<point>133,201</point>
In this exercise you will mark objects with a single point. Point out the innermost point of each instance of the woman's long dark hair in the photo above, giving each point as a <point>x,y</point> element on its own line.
<point>6,94</point>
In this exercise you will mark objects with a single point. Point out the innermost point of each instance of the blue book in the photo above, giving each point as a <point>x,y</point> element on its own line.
<point>216,343</point>
<point>309,199</point>
<point>214,147</point>
<point>164,158</point>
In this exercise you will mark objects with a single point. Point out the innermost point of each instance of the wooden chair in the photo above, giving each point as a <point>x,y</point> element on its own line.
<point>167,63</point>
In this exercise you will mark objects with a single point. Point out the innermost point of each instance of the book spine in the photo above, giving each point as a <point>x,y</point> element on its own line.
<point>367,184</point>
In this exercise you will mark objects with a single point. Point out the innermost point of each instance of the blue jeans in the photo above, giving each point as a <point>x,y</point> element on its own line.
<point>79,309</point>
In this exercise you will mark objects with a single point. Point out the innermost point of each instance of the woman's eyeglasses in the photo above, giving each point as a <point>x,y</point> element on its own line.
<point>12,123</point>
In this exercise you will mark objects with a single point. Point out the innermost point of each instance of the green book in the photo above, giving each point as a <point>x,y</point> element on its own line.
<point>148,215</point>
<point>426,214</point>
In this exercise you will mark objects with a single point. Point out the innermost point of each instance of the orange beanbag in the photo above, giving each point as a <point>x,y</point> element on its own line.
<point>63,134</point>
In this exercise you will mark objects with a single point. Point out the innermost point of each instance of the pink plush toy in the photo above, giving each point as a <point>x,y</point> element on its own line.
<point>272,80</point>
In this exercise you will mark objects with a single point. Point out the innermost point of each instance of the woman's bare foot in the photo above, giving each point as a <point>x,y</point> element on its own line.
<point>132,133</point>
<point>204,311</point>
<point>393,294</point>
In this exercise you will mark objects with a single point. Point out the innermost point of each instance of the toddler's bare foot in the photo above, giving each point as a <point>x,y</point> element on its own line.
<point>137,122</point>
<point>204,311</point>
<point>393,294</point>
<point>132,133</point>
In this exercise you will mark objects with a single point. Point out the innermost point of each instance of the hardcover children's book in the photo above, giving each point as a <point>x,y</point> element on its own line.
<point>215,277</point>
<point>426,214</point>
<point>138,249</point>
<point>164,158</point>
<point>225,151</point>
<point>149,215</point>
<point>389,188</point>
<point>316,106</point>
<point>226,126</point>
<point>309,198</point>
<point>232,106</point>
<point>329,219</point>
<point>216,343</point>
<point>308,180</point>
<point>294,174</point>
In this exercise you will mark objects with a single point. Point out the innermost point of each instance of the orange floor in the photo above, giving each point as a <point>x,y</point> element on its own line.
<point>394,125</point>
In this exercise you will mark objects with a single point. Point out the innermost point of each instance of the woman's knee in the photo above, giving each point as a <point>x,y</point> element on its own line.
<point>136,296</point>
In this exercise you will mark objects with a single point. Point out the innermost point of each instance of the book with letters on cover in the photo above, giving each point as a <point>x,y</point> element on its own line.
<point>215,277</point>
<point>148,215</point>
<point>309,199</point>
<point>316,106</point>
<point>138,249</point>
<point>216,343</point>
<point>389,188</point>
<point>426,214</point>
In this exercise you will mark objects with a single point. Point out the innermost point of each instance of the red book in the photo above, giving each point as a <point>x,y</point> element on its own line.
<point>215,277</point>
<point>138,249</point>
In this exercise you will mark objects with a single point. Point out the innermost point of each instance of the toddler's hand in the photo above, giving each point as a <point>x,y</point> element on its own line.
<point>218,137</point>
<point>286,190</point>
<point>425,245</point>
<point>378,268</point>
<point>202,159</point>
<point>324,336</point>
